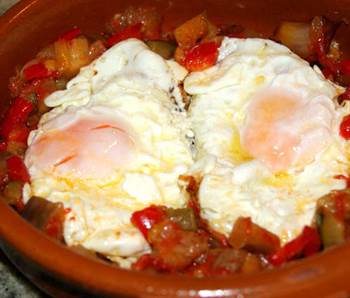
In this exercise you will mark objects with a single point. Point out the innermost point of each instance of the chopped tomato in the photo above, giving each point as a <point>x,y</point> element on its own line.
<point>71,34</point>
<point>36,71</point>
<point>174,248</point>
<point>133,31</point>
<point>145,219</point>
<point>17,114</point>
<point>201,56</point>
<point>16,169</point>
<point>344,130</point>
<point>308,243</point>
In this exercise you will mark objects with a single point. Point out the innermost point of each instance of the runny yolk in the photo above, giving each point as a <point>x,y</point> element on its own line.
<point>88,148</point>
<point>280,130</point>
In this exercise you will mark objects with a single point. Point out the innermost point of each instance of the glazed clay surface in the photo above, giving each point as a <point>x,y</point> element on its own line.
<point>32,25</point>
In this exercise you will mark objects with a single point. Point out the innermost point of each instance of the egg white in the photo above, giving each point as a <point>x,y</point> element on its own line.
<point>234,183</point>
<point>133,84</point>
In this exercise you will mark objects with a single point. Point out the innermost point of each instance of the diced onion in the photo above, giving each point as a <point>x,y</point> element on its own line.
<point>295,36</point>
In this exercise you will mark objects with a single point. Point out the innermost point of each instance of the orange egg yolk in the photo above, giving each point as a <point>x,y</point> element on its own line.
<point>88,148</point>
<point>284,130</point>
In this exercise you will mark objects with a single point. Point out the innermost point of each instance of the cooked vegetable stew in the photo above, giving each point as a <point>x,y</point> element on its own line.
<point>180,239</point>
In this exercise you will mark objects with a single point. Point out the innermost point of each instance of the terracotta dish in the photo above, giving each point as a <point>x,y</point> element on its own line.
<point>60,272</point>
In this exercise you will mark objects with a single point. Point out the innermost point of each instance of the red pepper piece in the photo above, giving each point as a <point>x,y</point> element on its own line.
<point>54,226</point>
<point>145,219</point>
<point>344,130</point>
<point>312,241</point>
<point>19,134</point>
<point>345,95</point>
<point>201,56</point>
<point>345,178</point>
<point>133,31</point>
<point>17,114</point>
<point>320,36</point>
<point>67,211</point>
<point>345,66</point>
<point>340,208</point>
<point>146,261</point>
<point>71,34</point>
<point>308,243</point>
<point>237,35</point>
<point>3,146</point>
<point>20,205</point>
<point>16,169</point>
<point>36,71</point>
<point>327,73</point>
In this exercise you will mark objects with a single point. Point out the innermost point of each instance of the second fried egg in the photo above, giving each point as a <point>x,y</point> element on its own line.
<point>267,131</point>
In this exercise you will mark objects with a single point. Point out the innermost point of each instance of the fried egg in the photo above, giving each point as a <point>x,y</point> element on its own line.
<point>114,143</point>
<point>267,134</point>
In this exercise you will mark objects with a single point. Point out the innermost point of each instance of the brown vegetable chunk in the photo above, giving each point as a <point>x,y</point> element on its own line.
<point>192,31</point>
<point>225,261</point>
<point>333,214</point>
<point>174,248</point>
<point>13,192</point>
<point>45,216</point>
<point>165,49</point>
<point>184,217</point>
<point>295,36</point>
<point>245,234</point>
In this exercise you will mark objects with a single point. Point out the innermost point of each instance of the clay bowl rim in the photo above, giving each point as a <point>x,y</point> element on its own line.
<point>91,274</point>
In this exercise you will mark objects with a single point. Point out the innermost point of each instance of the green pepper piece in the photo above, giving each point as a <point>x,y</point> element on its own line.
<point>332,230</point>
<point>165,49</point>
<point>184,217</point>
<point>13,192</point>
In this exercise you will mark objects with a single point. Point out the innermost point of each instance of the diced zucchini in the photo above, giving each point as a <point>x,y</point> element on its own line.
<point>332,230</point>
<point>165,49</point>
<point>13,192</point>
<point>184,217</point>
